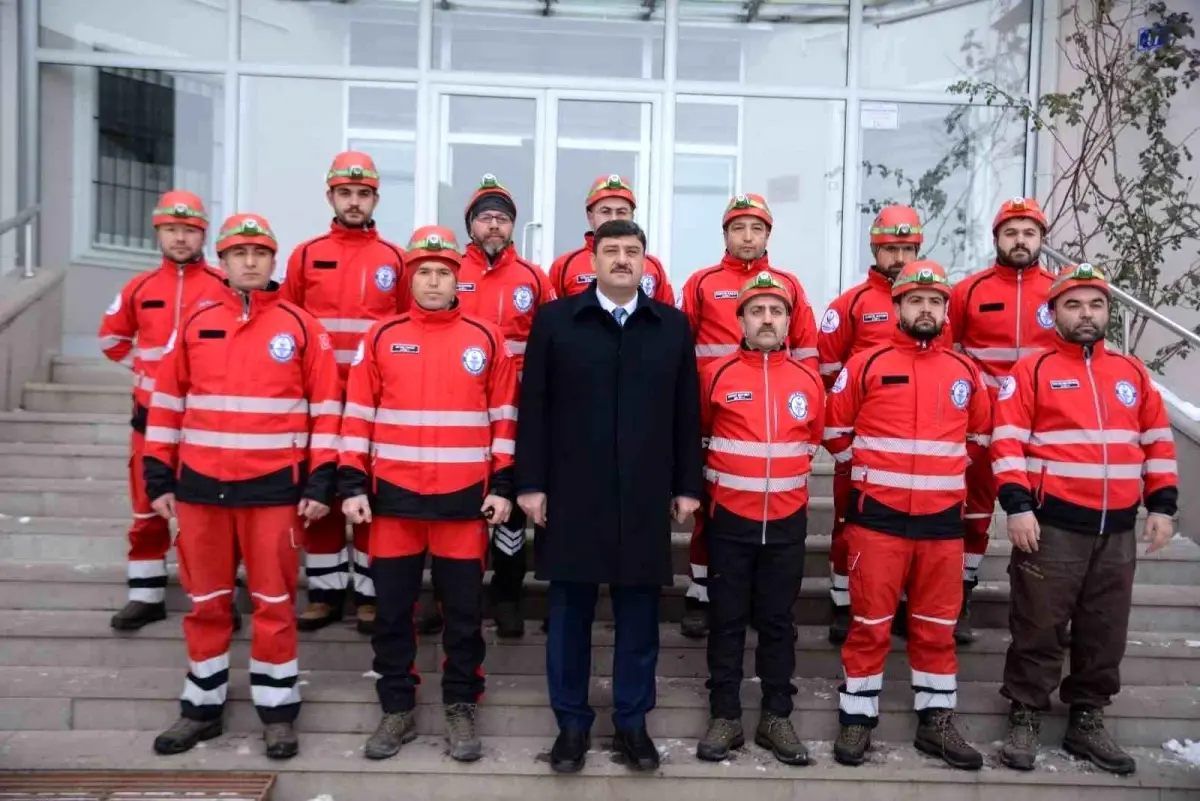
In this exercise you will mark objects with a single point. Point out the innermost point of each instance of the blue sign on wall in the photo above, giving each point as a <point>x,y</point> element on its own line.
<point>1149,39</point>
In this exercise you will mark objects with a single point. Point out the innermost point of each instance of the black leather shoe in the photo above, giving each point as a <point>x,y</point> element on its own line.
<point>570,751</point>
<point>637,748</point>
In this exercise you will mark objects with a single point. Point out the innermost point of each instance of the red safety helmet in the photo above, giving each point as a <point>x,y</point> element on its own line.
<point>180,208</point>
<point>607,186</point>
<point>433,242</point>
<point>352,167</point>
<point>897,225</point>
<point>490,186</point>
<point>246,229</point>
<point>764,284</point>
<point>1021,207</point>
<point>921,274</point>
<point>748,205</point>
<point>1077,275</point>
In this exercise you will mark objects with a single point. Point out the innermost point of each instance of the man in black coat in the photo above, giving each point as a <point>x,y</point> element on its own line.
<point>608,451</point>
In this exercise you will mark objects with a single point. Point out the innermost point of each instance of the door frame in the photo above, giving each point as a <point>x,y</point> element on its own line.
<point>535,237</point>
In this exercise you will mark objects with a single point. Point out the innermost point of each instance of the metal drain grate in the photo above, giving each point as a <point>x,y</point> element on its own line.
<point>128,786</point>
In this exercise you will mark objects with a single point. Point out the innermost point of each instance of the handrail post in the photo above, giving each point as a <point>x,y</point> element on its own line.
<point>27,262</point>
<point>1126,328</point>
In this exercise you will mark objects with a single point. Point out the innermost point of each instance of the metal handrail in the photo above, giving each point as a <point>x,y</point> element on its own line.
<point>1128,301</point>
<point>26,218</point>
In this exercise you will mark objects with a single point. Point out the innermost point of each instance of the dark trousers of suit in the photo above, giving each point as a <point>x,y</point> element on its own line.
<point>569,653</point>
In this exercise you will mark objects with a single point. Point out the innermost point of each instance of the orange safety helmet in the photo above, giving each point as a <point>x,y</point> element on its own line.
<point>764,284</point>
<point>1021,207</point>
<point>246,229</point>
<point>897,225</point>
<point>748,205</point>
<point>921,274</point>
<point>352,167</point>
<point>1075,276</point>
<point>180,208</point>
<point>489,186</point>
<point>433,242</point>
<point>607,186</point>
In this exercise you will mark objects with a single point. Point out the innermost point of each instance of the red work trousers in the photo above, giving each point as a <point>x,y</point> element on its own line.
<point>149,534</point>
<point>881,567</point>
<point>977,519</point>
<point>327,560</point>
<point>697,592</point>
<point>839,589</point>
<point>269,539</point>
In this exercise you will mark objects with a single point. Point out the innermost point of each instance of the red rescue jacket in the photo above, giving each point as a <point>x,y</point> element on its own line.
<point>858,319</point>
<point>247,406</point>
<point>347,279</point>
<point>1000,315</point>
<point>1082,437</point>
<point>908,416</point>
<point>431,417</point>
<point>710,303</point>
<point>506,293</point>
<point>147,311</point>
<point>761,415</point>
<point>573,273</point>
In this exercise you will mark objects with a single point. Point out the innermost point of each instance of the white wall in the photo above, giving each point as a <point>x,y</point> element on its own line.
<point>9,128</point>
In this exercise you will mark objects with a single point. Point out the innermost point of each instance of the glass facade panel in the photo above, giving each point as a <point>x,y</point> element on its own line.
<point>956,165</point>
<point>929,46</point>
<point>786,150</point>
<point>365,33</point>
<point>281,175</point>
<point>609,39</point>
<point>784,43</point>
<point>142,27</point>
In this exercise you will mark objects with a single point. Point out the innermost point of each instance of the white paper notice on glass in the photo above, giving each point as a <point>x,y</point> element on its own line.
<point>879,116</point>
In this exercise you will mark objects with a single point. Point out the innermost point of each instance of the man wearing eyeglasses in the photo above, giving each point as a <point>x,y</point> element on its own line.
<point>347,278</point>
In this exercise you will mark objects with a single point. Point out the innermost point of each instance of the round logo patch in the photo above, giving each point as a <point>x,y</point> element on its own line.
<point>840,382</point>
<point>1008,388</point>
<point>1044,317</point>
<point>358,354</point>
<point>115,306</point>
<point>648,285</point>
<point>523,298</point>
<point>798,405</point>
<point>960,393</point>
<point>385,277</point>
<point>282,347</point>
<point>1126,394</point>
<point>474,360</point>
<point>831,321</point>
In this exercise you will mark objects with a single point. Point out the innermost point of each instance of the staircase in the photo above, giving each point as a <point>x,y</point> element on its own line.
<point>76,695</point>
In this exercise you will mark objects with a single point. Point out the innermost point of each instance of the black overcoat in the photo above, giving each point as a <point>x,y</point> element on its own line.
<point>609,429</point>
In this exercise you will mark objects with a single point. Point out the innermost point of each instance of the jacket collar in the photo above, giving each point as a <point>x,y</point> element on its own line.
<point>587,302</point>
<point>589,241</point>
<point>741,266</point>
<point>198,263</point>
<point>1010,273</point>
<point>1074,350</point>
<point>504,258</point>
<point>906,342</point>
<point>877,279</point>
<point>367,233</point>
<point>251,303</point>
<point>440,318</point>
<point>755,357</point>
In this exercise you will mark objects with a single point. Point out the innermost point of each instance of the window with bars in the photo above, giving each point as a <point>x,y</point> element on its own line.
<point>138,114</point>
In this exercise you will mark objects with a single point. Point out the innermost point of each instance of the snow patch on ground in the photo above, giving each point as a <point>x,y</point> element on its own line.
<point>1188,751</point>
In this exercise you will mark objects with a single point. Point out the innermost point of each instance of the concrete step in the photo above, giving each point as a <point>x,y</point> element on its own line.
<point>92,372</point>
<point>516,769</point>
<point>87,586</point>
<point>517,706</point>
<point>79,429</point>
<point>83,639</point>
<point>66,497</point>
<point>53,461</point>
<point>75,398</point>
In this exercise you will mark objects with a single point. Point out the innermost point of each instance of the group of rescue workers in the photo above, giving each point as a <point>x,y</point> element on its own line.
<point>375,388</point>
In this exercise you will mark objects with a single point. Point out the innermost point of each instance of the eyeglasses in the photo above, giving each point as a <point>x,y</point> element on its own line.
<point>247,228</point>
<point>495,218</point>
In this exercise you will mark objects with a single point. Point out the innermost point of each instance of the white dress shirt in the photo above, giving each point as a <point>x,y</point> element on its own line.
<point>610,307</point>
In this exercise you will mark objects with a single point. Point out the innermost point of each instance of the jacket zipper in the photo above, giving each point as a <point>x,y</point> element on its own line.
<point>178,297</point>
<point>1087,363</point>
<point>1018,354</point>
<point>767,425</point>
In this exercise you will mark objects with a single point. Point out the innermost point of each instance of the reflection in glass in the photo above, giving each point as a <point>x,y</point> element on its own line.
<point>365,33</point>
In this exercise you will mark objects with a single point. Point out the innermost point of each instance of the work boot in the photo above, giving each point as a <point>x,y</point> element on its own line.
<point>723,736</point>
<point>900,621</point>
<point>136,614</point>
<point>1086,738</point>
<point>938,736</point>
<point>850,747</point>
<point>184,734</point>
<point>963,635</point>
<point>396,729</point>
<point>839,626</point>
<point>694,624</point>
<point>431,624</point>
<point>509,622</point>
<point>281,740</point>
<point>460,732</point>
<point>777,735</point>
<point>1021,743</point>
<point>318,615</point>
<point>365,617</point>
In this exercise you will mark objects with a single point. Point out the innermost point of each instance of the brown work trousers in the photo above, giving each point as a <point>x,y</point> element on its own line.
<point>1082,579</point>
